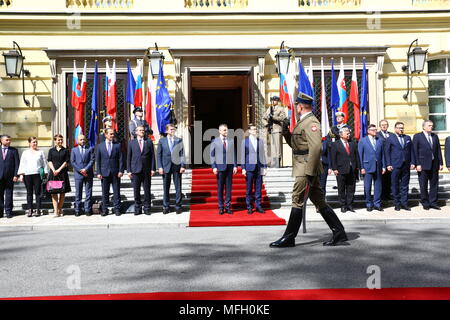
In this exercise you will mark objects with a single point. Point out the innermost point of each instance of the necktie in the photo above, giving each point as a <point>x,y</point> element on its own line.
<point>225,143</point>
<point>4,153</point>
<point>402,142</point>
<point>374,143</point>
<point>140,144</point>
<point>109,148</point>
<point>82,151</point>
<point>347,147</point>
<point>430,140</point>
<point>170,144</point>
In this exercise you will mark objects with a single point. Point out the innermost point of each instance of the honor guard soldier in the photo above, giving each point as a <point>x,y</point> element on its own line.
<point>273,121</point>
<point>139,121</point>
<point>333,135</point>
<point>306,144</point>
<point>107,123</point>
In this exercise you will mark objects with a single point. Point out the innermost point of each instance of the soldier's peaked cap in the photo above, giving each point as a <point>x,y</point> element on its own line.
<point>137,109</point>
<point>304,98</point>
<point>107,118</point>
<point>275,98</point>
<point>339,113</point>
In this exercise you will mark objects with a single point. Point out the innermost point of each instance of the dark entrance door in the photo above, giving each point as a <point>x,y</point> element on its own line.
<point>217,99</point>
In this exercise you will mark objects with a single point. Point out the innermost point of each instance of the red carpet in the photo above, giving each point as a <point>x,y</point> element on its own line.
<point>204,204</point>
<point>436,293</point>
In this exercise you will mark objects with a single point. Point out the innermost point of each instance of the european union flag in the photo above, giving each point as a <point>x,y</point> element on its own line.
<point>363,101</point>
<point>93,126</point>
<point>163,101</point>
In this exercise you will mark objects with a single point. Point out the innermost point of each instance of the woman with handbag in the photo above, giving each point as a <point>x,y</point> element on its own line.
<point>32,162</point>
<point>58,179</point>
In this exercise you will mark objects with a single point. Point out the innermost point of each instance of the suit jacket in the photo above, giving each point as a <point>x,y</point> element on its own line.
<point>395,155</point>
<point>170,160</point>
<point>86,162</point>
<point>138,161</point>
<point>252,159</point>
<point>341,160</point>
<point>371,159</point>
<point>109,165</point>
<point>326,152</point>
<point>423,151</point>
<point>9,166</point>
<point>221,158</point>
<point>447,151</point>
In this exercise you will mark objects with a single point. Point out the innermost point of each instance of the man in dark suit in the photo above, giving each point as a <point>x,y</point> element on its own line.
<point>400,159</point>
<point>110,168</point>
<point>224,165</point>
<point>141,168</point>
<point>253,163</point>
<point>371,155</point>
<point>383,134</point>
<point>82,161</point>
<point>171,162</point>
<point>427,151</point>
<point>9,164</point>
<point>345,164</point>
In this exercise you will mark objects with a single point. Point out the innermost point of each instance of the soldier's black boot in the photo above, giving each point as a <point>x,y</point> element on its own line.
<point>294,223</point>
<point>335,225</point>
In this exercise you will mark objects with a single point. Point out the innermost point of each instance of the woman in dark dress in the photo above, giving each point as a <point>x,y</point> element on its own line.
<point>58,160</point>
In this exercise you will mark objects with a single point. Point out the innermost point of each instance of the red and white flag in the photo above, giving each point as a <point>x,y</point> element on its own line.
<point>324,122</point>
<point>354,98</point>
<point>150,112</point>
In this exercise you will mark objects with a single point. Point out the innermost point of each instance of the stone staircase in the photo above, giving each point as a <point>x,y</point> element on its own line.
<point>278,183</point>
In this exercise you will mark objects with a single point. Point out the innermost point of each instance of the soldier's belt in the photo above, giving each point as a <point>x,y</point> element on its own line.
<point>300,152</point>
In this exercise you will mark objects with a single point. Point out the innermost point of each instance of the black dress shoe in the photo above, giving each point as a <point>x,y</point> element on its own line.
<point>369,209</point>
<point>435,207</point>
<point>343,209</point>
<point>147,212</point>
<point>406,208</point>
<point>165,210</point>
<point>350,208</point>
<point>397,208</point>
<point>104,214</point>
<point>77,214</point>
<point>9,215</point>
<point>260,210</point>
<point>89,213</point>
<point>179,211</point>
<point>250,211</point>
<point>221,211</point>
<point>378,208</point>
<point>426,208</point>
<point>138,212</point>
<point>284,242</point>
<point>117,212</point>
<point>228,210</point>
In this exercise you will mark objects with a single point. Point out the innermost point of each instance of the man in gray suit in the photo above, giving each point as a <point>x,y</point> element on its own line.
<point>170,161</point>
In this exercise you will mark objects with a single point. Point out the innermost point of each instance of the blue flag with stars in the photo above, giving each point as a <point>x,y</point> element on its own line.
<point>363,101</point>
<point>93,126</point>
<point>163,101</point>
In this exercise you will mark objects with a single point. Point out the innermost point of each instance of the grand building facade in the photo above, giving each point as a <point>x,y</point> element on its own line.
<point>220,59</point>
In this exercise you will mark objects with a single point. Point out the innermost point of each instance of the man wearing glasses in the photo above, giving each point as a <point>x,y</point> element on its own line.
<point>400,159</point>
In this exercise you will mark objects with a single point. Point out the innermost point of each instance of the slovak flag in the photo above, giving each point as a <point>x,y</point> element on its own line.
<point>138,94</point>
<point>354,98</point>
<point>284,92</point>
<point>150,112</point>
<point>110,92</point>
<point>78,101</point>
<point>343,103</point>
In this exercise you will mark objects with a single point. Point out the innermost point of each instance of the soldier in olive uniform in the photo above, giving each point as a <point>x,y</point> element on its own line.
<point>306,144</point>
<point>273,121</point>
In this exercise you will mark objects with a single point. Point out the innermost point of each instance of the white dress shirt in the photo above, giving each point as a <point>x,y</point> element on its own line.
<point>31,161</point>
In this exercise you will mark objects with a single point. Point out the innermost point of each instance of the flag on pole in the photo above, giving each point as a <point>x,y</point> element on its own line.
<point>354,98</point>
<point>304,82</point>
<point>93,126</point>
<point>324,122</point>
<point>343,103</point>
<point>163,101</point>
<point>334,100</point>
<point>150,112</point>
<point>110,93</point>
<point>131,84</point>
<point>284,92</point>
<point>364,100</point>
<point>78,101</point>
<point>138,94</point>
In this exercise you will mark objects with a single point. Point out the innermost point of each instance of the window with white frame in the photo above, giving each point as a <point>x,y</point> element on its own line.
<point>439,93</point>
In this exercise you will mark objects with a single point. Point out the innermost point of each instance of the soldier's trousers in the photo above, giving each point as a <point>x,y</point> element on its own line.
<point>315,193</point>
<point>275,145</point>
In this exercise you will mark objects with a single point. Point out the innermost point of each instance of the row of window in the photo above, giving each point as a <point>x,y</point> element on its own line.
<point>439,93</point>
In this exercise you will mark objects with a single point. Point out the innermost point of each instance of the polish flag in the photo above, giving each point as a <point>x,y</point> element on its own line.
<point>150,112</point>
<point>354,98</point>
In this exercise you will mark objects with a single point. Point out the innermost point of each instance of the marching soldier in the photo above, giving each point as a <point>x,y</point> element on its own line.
<point>306,144</point>
<point>273,121</point>
<point>139,121</point>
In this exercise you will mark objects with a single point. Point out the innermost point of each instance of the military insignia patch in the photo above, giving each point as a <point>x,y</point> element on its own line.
<point>313,128</point>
